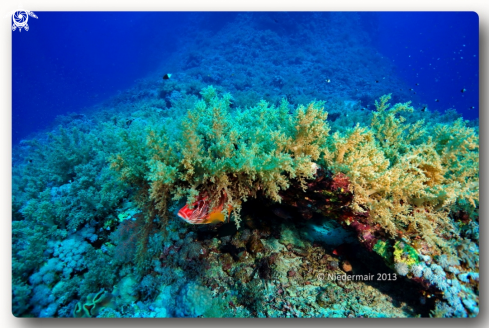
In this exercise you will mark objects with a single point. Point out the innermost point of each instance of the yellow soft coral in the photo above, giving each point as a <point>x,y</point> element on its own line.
<point>224,152</point>
<point>391,129</point>
<point>407,182</point>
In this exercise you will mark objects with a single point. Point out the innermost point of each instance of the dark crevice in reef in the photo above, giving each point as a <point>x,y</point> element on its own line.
<point>268,220</point>
<point>402,290</point>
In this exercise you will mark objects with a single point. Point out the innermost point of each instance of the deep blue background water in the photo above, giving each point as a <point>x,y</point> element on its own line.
<point>68,61</point>
<point>438,51</point>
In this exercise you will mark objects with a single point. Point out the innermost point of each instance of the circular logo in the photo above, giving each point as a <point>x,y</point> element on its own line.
<point>20,19</point>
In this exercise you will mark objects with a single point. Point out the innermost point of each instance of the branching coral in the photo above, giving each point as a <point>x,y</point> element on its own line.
<point>406,181</point>
<point>220,153</point>
<point>393,133</point>
<point>405,177</point>
<point>225,153</point>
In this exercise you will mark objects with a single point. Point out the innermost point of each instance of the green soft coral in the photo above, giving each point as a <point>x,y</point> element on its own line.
<point>220,151</point>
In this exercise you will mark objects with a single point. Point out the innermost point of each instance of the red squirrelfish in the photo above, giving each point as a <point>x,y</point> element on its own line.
<point>202,213</point>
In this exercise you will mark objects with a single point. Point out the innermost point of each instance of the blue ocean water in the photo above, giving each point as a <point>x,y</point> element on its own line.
<point>437,54</point>
<point>71,60</point>
<point>68,61</point>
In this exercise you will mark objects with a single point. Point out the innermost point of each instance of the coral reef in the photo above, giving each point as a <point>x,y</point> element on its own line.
<point>348,207</point>
<point>398,200</point>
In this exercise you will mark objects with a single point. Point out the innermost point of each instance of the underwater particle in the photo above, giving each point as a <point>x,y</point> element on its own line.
<point>417,83</point>
<point>437,100</point>
<point>463,90</point>
<point>328,80</point>
<point>376,81</point>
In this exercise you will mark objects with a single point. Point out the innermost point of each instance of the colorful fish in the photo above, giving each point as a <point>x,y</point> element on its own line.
<point>202,213</point>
